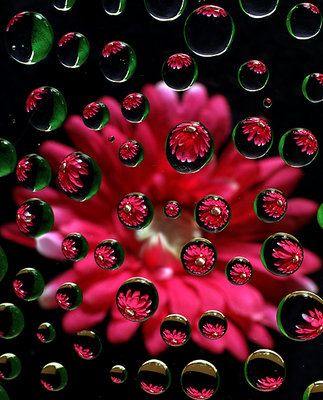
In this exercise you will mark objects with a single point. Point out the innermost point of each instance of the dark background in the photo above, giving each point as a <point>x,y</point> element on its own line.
<point>289,61</point>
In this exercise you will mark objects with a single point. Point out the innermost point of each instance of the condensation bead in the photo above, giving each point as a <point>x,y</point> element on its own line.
<point>131,153</point>
<point>198,256</point>
<point>212,213</point>
<point>87,344</point>
<point>135,107</point>
<point>75,247</point>
<point>33,172</point>
<point>114,7</point>
<point>73,50</point>
<point>172,209</point>
<point>154,377</point>
<point>253,75</point>
<point>238,271</point>
<point>213,324</point>
<point>11,321</point>
<point>175,330</point>
<point>304,21</point>
<point>53,376</point>
<point>312,87</point>
<point>109,255</point>
<point>267,102</point>
<point>270,205</point>
<point>135,211</point>
<point>118,374</point>
<point>8,157</point>
<point>96,115</point>
<point>179,71</point>
<point>165,10</point>
<point>314,391</point>
<point>46,332</point>
<point>63,5</point>
<point>10,366</point>
<point>69,296</point>
<point>28,284</point>
<point>257,9</point>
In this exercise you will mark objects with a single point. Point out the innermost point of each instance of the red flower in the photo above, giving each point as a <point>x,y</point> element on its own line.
<point>129,150</point>
<point>289,256</point>
<point>155,389</point>
<point>104,257</point>
<point>68,248</point>
<point>47,385</point>
<point>24,218</point>
<point>82,352</point>
<point>90,110</point>
<point>257,130</point>
<point>69,173</point>
<point>240,273</point>
<point>213,11</point>
<point>274,204</point>
<point>213,213</point>
<point>199,259</point>
<point>112,47</point>
<point>23,167</point>
<point>257,66</point>
<point>213,331</point>
<point>319,78</point>
<point>133,100</point>
<point>115,380</point>
<point>14,19</point>
<point>134,306</point>
<point>35,95</point>
<point>41,337</point>
<point>311,7</point>
<point>63,301</point>
<point>66,38</point>
<point>313,326</point>
<point>195,394</point>
<point>174,338</point>
<point>268,384</point>
<point>179,60</point>
<point>306,140</point>
<point>17,285</point>
<point>150,252</point>
<point>189,140</point>
<point>132,210</point>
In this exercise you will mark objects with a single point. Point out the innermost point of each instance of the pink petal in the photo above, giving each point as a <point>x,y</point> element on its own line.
<point>11,232</point>
<point>50,245</point>
<point>76,320</point>
<point>120,330</point>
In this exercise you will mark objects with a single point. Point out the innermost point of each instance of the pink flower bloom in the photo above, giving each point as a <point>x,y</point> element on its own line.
<point>63,300</point>
<point>274,204</point>
<point>47,385</point>
<point>115,380</point>
<point>17,285</point>
<point>129,150</point>
<point>104,257</point>
<point>306,140</point>
<point>150,253</point>
<point>268,384</point>
<point>90,110</point>
<point>133,100</point>
<point>213,213</point>
<point>311,7</point>
<point>41,337</point>
<point>155,389</point>
<point>66,38</point>
<point>189,140</point>
<point>195,394</point>
<point>289,256</point>
<point>24,218</point>
<point>210,10</point>
<point>82,352</point>
<point>13,20</point>
<point>68,248</point>
<point>132,211</point>
<point>179,60</point>
<point>174,338</point>
<point>257,66</point>
<point>23,167</point>
<point>134,306</point>
<point>35,95</point>
<point>257,130</point>
<point>112,47</point>
<point>313,326</point>
<point>213,331</point>
<point>240,273</point>
<point>69,172</point>
<point>199,259</point>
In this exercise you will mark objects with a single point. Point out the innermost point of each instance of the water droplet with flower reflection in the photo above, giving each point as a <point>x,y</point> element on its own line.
<point>46,333</point>
<point>252,137</point>
<point>175,330</point>
<point>212,213</point>
<point>63,5</point>
<point>118,61</point>
<point>267,102</point>
<point>200,379</point>
<point>270,205</point>
<point>29,37</point>
<point>75,247</point>
<point>198,256</point>
<point>257,9</point>
<point>69,296</point>
<point>131,153</point>
<point>47,108</point>
<point>33,172</point>
<point>213,324</point>
<point>189,147</point>
<point>312,87</point>
<point>282,254</point>
<point>209,31</point>
<point>109,255</point>
<point>34,218</point>
<point>172,209</point>
<point>10,366</point>
<point>253,75</point>
<point>118,374</point>
<point>137,299</point>
<point>53,376</point>
<point>8,157</point>
<point>265,370</point>
<point>3,263</point>
<point>239,271</point>
<point>179,71</point>
<point>135,107</point>
<point>11,321</point>
<point>79,176</point>
<point>165,10</point>
<point>114,7</point>
<point>87,344</point>
<point>73,49</point>
<point>154,377</point>
<point>28,284</point>
<point>300,316</point>
<point>135,211</point>
<point>96,115</point>
<point>314,391</point>
<point>304,21</point>
<point>298,147</point>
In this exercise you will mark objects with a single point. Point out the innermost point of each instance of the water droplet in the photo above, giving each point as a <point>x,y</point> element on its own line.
<point>312,87</point>
<point>172,209</point>
<point>319,217</point>
<point>53,376</point>
<point>11,321</point>
<point>96,115</point>
<point>3,263</point>
<point>63,5</point>
<point>87,344</point>
<point>3,393</point>
<point>118,61</point>
<point>46,332</point>
<point>109,255</point>
<point>200,379</point>
<point>198,256</point>
<point>10,366</point>
<point>28,284</point>
<point>118,374</point>
<point>154,377</point>
<point>131,153</point>
<point>282,254</point>
<point>179,71</point>
<point>137,299</point>
<point>256,9</point>
<point>213,324</point>
<point>298,147</point>
<point>304,21</point>
<point>34,218</point>
<point>252,137</point>
<point>135,107</point>
<point>29,37</point>
<point>300,316</point>
<point>175,330</point>
<point>267,102</point>
<point>111,139</point>
<point>270,205</point>
<point>8,157</point>
<point>212,213</point>
<point>165,10</point>
<point>253,75</point>
<point>114,7</point>
<point>314,391</point>
<point>47,107</point>
<point>209,31</point>
<point>69,296</point>
<point>238,271</point>
<point>75,247</point>
<point>79,176</point>
<point>33,172</point>
<point>135,211</point>
<point>265,370</point>
<point>189,147</point>
<point>73,49</point>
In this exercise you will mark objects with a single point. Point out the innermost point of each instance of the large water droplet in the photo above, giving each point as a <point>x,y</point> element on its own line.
<point>135,211</point>
<point>304,21</point>
<point>165,10</point>
<point>69,296</point>
<point>73,49</point>
<point>213,324</point>
<point>253,75</point>
<point>96,115</point>
<point>175,330</point>
<point>154,377</point>
<point>270,205</point>
<point>258,9</point>
<point>33,172</point>
<point>28,284</point>
<point>53,376</point>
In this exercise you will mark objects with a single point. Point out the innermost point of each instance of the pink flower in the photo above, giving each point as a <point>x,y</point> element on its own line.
<point>63,300</point>
<point>13,20</point>
<point>311,7</point>
<point>268,384</point>
<point>306,140</point>
<point>179,60</point>
<point>23,167</point>
<point>313,326</point>
<point>115,380</point>
<point>240,273</point>
<point>155,389</point>
<point>47,385</point>
<point>274,204</point>
<point>257,66</point>
<point>210,10</point>
<point>150,252</point>
<point>66,38</point>
<point>41,337</point>
<point>132,211</point>
<point>199,259</point>
<point>35,95</point>
<point>104,257</point>
<point>129,150</point>
<point>289,256</point>
<point>133,100</point>
<point>90,110</point>
<point>134,306</point>
<point>195,394</point>
<point>213,331</point>
<point>257,130</point>
<point>68,248</point>
<point>69,172</point>
<point>112,47</point>
<point>82,352</point>
<point>17,285</point>
<point>213,213</point>
<point>24,219</point>
<point>174,338</point>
